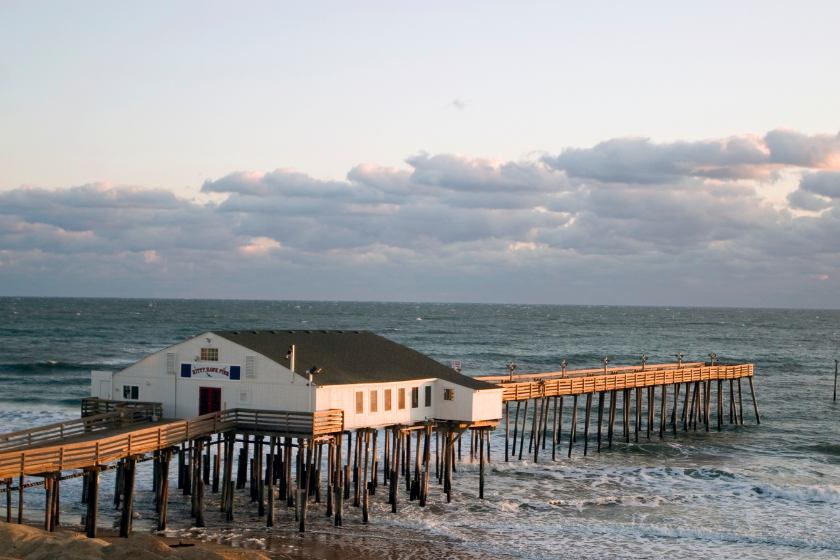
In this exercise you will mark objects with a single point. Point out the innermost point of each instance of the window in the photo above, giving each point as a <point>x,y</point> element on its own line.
<point>415,397</point>
<point>387,400</point>
<point>449,394</point>
<point>401,399</point>
<point>209,354</point>
<point>170,363</point>
<point>373,403</point>
<point>360,402</point>
<point>250,366</point>
<point>428,395</point>
<point>131,392</point>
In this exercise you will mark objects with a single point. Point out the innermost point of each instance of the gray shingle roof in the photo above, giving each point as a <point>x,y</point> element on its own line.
<point>348,357</point>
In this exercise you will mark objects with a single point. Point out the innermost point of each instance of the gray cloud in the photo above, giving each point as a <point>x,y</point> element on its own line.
<point>640,161</point>
<point>613,211</point>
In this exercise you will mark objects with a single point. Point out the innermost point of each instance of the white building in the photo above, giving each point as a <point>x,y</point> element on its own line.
<point>375,382</point>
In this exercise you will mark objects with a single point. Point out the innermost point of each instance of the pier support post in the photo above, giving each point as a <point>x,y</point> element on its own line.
<point>129,469</point>
<point>524,423</point>
<point>339,492</point>
<point>424,477</point>
<point>9,500</point>
<point>92,476</point>
<point>611,417</point>
<point>330,476</point>
<point>304,498</point>
<point>481,464</point>
<point>515,428</point>
<point>600,417</point>
<point>639,407</point>
<point>507,431</point>
<point>554,433</point>
<point>586,427</point>
<point>374,462</point>
<point>20,494</point>
<point>626,414</point>
<point>48,506</point>
<point>365,492</point>
<point>663,413</point>
<point>676,406</point>
<point>163,485</point>
<point>573,428</point>
<point>269,483</point>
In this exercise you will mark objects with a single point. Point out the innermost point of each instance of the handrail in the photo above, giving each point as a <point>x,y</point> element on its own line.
<point>587,372</point>
<point>594,384</point>
<point>104,450</point>
<point>88,424</point>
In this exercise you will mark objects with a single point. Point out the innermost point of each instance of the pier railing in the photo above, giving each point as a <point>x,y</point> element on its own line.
<point>122,416</point>
<point>92,406</point>
<point>103,450</point>
<point>581,382</point>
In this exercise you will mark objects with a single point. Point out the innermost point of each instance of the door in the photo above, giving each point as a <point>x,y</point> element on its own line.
<point>105,390</point>
<point>210,400</point>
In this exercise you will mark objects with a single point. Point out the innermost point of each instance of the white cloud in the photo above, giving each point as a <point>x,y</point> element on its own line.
<point>623,208</point>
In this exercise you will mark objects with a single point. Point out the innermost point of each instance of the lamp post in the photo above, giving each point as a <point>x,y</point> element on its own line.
<point>713,356</point>
<point>290,355</point>
<point>563,370</point>
<point>679,360</point>
<point>644,359</point>
<point>511,367</point>
<point>606,361</point>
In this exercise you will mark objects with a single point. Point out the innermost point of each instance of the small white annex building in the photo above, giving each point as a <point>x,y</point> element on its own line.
<point>375,381</point>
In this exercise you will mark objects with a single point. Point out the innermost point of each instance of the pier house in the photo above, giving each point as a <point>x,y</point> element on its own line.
<point>374,381</point>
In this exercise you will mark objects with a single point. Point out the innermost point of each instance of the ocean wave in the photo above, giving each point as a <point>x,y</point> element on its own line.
<point>829,494</point>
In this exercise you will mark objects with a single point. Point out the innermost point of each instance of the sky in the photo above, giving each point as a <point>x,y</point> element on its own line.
<point>603,153</point>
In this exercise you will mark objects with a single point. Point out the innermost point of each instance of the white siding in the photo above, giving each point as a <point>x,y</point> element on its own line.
<point>273,386</point>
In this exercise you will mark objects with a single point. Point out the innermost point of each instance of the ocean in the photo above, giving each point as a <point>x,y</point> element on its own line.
<point>752,491</point>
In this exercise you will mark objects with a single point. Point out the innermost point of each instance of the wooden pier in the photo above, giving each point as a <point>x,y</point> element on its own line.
<point>282,453</point>
<point>698,380</point>
<point>125,435</point>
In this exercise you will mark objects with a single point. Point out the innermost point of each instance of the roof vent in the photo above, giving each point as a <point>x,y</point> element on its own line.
<point>235,332</point>
<point>308,332</point>
<point>273,332</point>
<point>342,332</point>
<point>357,332</point>
<point>256,332</point>
<point>325,332</point>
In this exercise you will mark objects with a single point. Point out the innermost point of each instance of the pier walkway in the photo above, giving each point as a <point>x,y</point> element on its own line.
<point>544,389</point>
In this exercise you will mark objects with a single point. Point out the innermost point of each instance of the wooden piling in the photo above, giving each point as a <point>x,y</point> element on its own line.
<point>304,494</point>
<point>638,412</point>
<point>524,420</point>
<point>269,483</point>
<point>600,416</point>
<point>586,427</point>
<point>366,493</point>
<point>740,402</point>
<point>92,474</point>
<point>20,490</point>
<point>507,431</point>
<point>163,484</point>
<point>611,417</point>
<point>481,467</point>
<point>663,412</point>
<point>9,499</point>
<point>574,424</point>
<point>626,414</point>
<point>48,506</point>
<point>515,428</point>
<point>559,422</point>
<point>129,470</point>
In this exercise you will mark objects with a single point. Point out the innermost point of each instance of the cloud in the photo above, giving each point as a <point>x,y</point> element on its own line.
<point>640,161</point>
<point>669,215</point>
